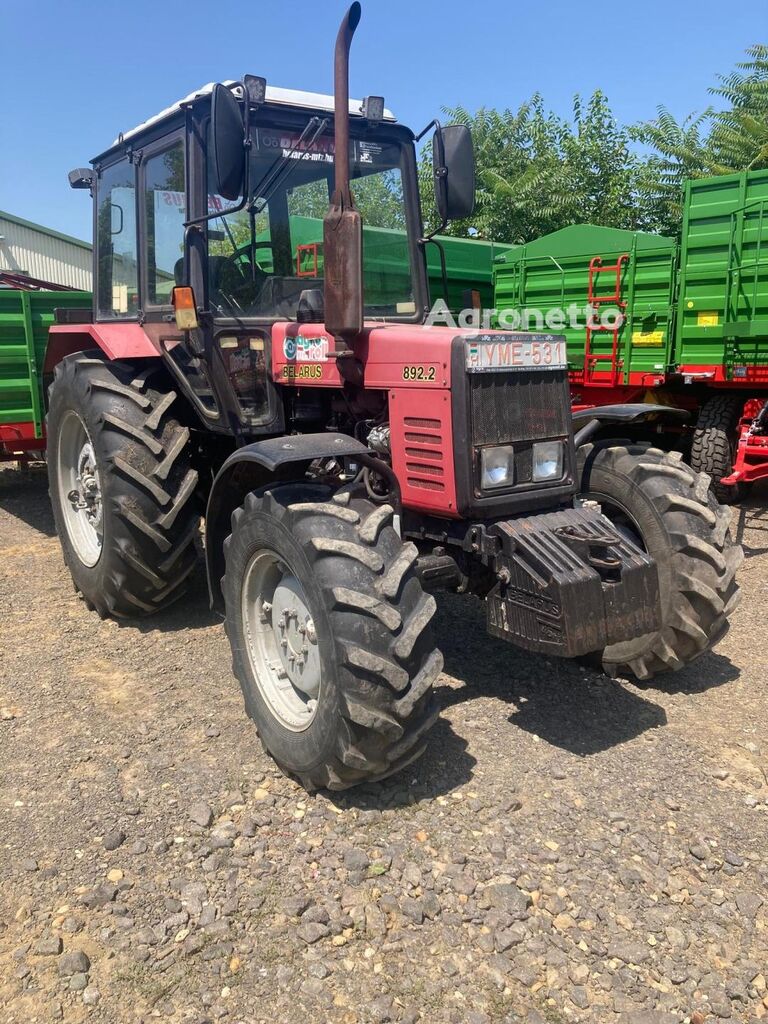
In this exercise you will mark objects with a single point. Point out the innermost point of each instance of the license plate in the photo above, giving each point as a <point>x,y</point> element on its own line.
<point>488,353</point>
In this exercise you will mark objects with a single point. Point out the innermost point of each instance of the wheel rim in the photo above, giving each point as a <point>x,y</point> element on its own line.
<point>80,489</point>
<point>281,640</point>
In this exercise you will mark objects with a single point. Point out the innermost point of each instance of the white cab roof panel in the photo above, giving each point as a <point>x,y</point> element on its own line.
<point>275,95</point>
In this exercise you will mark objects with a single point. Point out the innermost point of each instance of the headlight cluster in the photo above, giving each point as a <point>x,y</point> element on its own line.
<point>497,464</point>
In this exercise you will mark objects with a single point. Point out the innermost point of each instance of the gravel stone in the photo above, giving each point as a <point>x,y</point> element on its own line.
<point>73,962</point>
<point>200,813</point>
<point>114,839</point>
<point>312,931</point>
<point>91,996</point>
<point>749,903</point>
<point>50,946</point>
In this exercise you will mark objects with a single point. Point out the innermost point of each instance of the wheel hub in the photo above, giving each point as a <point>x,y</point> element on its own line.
<point>281,640</point>
<point>80,489</point>
<point>86,496</point>
<point>294,629</point>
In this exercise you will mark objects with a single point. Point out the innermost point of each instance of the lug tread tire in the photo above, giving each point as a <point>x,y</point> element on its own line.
<point>711,450</point>
<point>149,488</point>
<point>691,543</point>
<point>386,662</point>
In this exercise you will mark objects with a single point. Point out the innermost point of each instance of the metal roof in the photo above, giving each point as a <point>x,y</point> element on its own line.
<point>275,95</point>
<point>13,219</point>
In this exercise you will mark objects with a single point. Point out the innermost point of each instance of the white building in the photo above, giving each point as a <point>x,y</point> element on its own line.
<point>40,252</point>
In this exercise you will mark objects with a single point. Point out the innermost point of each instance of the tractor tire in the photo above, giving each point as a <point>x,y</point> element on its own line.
<point>670,511</point>
<point>122,486</point>
<point>323,577</point>
<point>714,444</point>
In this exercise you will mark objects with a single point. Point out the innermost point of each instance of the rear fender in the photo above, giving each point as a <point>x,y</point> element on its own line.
<point>116,341</point>
<point>278,459</point>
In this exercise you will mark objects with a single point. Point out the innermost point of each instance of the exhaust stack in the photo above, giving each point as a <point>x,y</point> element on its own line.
<point>343,225</point>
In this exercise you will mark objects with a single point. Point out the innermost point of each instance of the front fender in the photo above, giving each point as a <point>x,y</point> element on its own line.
<point>258,465</point>
<point>586,422</point>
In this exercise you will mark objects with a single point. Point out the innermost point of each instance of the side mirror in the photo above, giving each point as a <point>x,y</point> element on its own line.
<point>228,135</point>
<point>453,163</point>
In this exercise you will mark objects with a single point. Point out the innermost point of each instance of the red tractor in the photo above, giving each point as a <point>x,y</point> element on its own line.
<point>349,460</point>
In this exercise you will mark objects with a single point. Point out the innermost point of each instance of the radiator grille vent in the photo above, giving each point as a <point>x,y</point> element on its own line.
<point>424,466</point>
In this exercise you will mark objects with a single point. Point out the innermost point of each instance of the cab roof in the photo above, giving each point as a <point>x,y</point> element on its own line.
<point>274,96</point>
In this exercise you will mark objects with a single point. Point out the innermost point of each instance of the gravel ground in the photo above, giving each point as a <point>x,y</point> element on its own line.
<point>570,848</point>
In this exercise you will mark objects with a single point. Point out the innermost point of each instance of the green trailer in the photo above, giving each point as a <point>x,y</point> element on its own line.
<point>25,317</point>
<point>722,321</point>
<point>692,326</point>
<point>610,292</point>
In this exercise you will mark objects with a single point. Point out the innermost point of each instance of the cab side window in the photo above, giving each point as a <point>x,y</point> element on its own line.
<point>116,242</point>
<point>164,209</point>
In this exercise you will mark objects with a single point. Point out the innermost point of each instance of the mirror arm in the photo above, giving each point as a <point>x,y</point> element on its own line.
<point>430,238</point>
<point>434,123</point>
<point>247,143</point>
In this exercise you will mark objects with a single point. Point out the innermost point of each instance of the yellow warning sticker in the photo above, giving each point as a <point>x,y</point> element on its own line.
<point>648,338</point>
<point>707,320</point>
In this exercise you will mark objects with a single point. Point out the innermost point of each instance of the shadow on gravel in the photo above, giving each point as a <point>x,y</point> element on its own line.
<point>706,673</point>
<point>446,765</point>
<point>564,703</point>
<point>24,495</point>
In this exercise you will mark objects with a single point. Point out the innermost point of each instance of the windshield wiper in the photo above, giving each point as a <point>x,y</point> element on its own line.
<point>281,169</point>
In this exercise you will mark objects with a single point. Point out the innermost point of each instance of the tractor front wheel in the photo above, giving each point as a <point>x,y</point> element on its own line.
<point>330,634</point>
<point>668,510</point>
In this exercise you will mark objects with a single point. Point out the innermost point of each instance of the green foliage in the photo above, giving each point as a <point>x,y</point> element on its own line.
<point>538,172</point>
<point>713,142</point>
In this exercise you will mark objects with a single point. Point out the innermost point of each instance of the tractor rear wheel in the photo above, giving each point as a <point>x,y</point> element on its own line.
<point>330,634</point>
<point>668,510</point>
<point>714,444</point>
<point>122,486</point>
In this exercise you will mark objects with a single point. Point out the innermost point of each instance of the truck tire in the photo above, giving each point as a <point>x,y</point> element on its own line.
<point>122,486</point>
<point>714,444</point>
<point>669,510</point>
<point>330,635</point>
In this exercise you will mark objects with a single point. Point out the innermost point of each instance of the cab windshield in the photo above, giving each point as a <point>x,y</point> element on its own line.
<point>261,258</point>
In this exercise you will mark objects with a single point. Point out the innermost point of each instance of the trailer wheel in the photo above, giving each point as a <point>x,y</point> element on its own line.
<point>122,486</point>
<point>669,510</point>
<point>330,634</point>
<point>714,444</point>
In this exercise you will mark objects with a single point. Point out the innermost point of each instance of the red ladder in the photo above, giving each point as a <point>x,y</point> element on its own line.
<point>591,359</point>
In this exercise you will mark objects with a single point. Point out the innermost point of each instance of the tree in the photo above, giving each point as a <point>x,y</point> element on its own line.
<point>538,172</point>
<point>711,143</point>
<point>739,139</point>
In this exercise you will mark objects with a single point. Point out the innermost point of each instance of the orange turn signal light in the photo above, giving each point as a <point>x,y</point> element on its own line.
<point>185,308</point>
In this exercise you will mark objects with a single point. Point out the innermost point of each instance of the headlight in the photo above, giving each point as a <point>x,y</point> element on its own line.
<point>547,460</point>
<point>497,466</point>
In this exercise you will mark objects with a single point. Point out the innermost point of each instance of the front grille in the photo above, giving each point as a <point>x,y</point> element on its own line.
<point>518,406</point>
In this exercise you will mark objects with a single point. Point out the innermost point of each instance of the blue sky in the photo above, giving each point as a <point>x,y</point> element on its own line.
<point>72,75</point>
